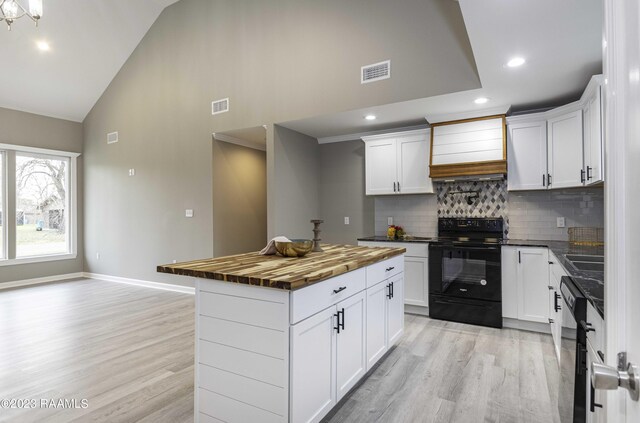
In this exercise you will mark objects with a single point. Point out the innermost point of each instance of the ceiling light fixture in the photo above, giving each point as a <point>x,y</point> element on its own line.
<point>481,100</point>
<point>43,45</point>
<point>515,62</point>
<point>370,117</point>
<point>10,10</point>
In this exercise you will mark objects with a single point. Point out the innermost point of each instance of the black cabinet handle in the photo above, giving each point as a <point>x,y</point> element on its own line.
<point>398,186</point>
<point>586,326</point>
<point>582,175</point>
<point>550,287</point>
<point>593,405</point>
<point>551,321</point>
<point>549,179</point>
<point>389,294</point>
<point>341,321</point>
<point>394,187</point>
<point>337,326</point>
<point>556,306</point>
<point>544,184</point>
<point>550,262</point>
<point>389,269</point>
<point>342,288</point>
<point>392,290</point>
<point>589,173</point>
<point>601,354</point>
<point>519,257</point>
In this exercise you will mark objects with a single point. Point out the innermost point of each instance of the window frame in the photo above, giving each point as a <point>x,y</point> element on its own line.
<point>10,258</point>
<point>3,205</point>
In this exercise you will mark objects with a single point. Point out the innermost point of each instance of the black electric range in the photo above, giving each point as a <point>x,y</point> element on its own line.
<point>465,275</point>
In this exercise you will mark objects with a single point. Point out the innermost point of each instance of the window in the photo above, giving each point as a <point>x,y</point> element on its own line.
<point>44,205</point>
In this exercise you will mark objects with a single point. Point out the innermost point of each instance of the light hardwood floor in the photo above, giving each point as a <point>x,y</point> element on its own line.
<point>129,351</point>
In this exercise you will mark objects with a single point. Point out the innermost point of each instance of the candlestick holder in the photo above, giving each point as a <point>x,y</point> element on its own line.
<point>316,232</point>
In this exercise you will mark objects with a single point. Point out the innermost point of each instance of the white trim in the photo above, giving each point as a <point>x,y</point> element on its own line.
<point>510,323</point>
<point>37,259</point>
<point>36,150</point>
<point>359,135</point>
<point>139,282</point>
<point>239,141</point>
<point>38,281</point>
<point>414,309</point>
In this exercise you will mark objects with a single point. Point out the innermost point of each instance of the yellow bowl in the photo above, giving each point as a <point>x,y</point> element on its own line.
<point>295,248</point>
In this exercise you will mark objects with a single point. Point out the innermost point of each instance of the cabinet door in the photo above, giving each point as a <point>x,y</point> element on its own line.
<point>376,322</point>
<point>527,155</point>
<point>395,310</point>
<point>413,164</point>
<point>510,282</point>
<point>380,163</point>
<point>565,155</point>
<point>351,362</point>
<point>416,280</point>
<point>593,146</point>
<point>533,284</point>
<point>313,358</point>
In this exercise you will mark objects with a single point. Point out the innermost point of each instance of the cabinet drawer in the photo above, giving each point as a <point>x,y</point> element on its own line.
<point>308,301</point>
<point>383,270</point>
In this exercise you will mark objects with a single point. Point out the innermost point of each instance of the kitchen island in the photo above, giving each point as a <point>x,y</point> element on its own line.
<point>284,339</point>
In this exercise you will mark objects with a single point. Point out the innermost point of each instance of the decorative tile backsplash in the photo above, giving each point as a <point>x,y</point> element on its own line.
<point>527,214</point>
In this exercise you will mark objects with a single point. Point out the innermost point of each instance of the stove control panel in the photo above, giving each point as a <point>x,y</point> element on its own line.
<point>453,224</point>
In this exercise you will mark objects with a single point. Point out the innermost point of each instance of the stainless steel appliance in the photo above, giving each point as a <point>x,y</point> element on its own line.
<point>465,281</point>
<point>572,394</point>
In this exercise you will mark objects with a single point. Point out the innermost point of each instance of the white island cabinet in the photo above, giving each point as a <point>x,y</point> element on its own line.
<point>289,350</point>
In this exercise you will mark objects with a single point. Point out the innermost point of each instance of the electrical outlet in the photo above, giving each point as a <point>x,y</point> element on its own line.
<point>346,220</point>
<point>174,261</point>
<point>132,172</point>
<point>560,222</point>
<point>390,220</point>
<point>188,213</point>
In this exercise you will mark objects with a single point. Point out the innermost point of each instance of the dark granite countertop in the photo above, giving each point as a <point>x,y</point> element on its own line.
<point>591,283</point>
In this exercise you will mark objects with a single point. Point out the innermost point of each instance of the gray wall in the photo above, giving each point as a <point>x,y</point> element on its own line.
<point>342,193</point>
<point>239,199</point>
<point>295,184</point>
<point>26,129</point>
<point>277,61</point>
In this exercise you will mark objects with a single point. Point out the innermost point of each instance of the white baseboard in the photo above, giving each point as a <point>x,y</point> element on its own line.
<point>38,281</point>
<point>139,282</point>
<point>524,325</point>
<point>414,309</point>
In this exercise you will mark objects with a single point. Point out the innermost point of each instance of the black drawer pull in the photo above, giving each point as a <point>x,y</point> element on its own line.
<point>556,306</point>
<point>389,269</point>
<point>342,288</point>
<point>601,355</point>
<point>337,326</point>
<point>341,324</point>
<point>586,326</point>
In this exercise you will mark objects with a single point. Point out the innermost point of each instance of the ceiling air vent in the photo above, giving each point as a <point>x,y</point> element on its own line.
<point>375,72</point>
<point>112,137</point>
<point>220,106</point>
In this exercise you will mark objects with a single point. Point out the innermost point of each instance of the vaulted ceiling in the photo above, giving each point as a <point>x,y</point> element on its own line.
<point>89,42</point>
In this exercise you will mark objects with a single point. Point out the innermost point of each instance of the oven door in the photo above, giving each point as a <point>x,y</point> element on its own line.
<point>465,271</point>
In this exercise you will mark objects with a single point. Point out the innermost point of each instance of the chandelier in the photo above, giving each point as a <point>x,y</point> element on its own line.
<point>10,10</point>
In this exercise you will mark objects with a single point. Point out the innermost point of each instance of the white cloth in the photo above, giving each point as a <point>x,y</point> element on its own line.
<point>270,249</point>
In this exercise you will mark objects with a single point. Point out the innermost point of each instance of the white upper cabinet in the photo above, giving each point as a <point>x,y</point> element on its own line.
<point>593,140</point>
<point>564,135</point>
<point>398,163</point>
<point>527,153</point>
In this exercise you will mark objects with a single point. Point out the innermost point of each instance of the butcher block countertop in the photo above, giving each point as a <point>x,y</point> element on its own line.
<point>283,272</point>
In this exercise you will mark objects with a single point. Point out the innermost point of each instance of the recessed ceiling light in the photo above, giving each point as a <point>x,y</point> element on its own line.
<point>515,62</point>
<point>370,117</point>
<point>43,45</point>
<point>481,100</point>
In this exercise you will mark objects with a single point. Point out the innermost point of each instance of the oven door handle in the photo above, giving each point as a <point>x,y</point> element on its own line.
<point>459,302</point>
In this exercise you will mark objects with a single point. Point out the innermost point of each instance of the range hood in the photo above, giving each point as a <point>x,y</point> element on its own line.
<point>469,149</point>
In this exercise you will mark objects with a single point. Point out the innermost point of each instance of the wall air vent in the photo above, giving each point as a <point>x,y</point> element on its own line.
<point>375,72</point>
<point>220,106</point>
<point>112,137</point>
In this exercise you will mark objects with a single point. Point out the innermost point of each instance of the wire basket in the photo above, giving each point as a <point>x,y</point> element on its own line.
<point>586,236</point>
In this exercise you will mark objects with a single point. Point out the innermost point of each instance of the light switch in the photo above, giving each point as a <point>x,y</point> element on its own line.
<point>560,222</point>
<point>188,213</point>
<point>390,220</point>
<point>346,220</point>
<point>132,172</point>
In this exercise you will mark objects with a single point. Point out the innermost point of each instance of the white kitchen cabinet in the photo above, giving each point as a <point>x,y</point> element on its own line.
<point>351,362</point>
<point>398,163</point>
<point>527,153</point>
<point>564,150</point>
<point>385,307</point>
<point>593,139</point>
<point>525,282</point>
<point>416,270</point>
<point>313,366</point>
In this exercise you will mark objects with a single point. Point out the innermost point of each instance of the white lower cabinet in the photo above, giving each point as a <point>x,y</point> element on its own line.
<point>525,283</point>
<point>395,310</point>
<point>351,364</point>
<point>376,323</point>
